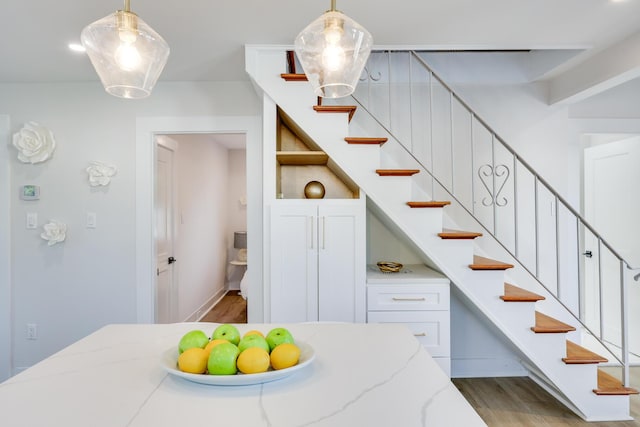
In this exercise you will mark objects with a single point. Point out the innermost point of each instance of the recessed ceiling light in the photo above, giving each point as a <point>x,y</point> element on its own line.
<point>76,47</point>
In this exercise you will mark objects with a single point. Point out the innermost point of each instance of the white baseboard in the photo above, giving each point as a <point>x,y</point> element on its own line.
<point>487,368</point>
<point>202,311</point>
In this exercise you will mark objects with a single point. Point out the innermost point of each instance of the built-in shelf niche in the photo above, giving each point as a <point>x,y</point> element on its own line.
<point>299,160</point>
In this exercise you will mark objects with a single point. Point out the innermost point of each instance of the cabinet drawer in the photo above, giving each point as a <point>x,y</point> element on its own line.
<point>408,297</point>
<point>431,328</point>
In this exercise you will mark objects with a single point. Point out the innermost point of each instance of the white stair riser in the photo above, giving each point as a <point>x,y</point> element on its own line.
<point>386,189</point>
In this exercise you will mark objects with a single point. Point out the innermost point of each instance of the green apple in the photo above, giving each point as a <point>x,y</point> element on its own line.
<point>222,359</point>
<point>253,340</point>
<point>195,338</point>
<point>277,336</point>
<point>227,332</point>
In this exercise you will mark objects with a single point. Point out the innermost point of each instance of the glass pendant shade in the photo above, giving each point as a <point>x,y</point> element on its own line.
<point>333,50</point>
<point>127,54</point>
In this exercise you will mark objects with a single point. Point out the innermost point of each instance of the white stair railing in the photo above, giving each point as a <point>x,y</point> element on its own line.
<point>468,162</point>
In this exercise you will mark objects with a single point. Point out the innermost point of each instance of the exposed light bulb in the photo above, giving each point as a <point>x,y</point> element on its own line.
<point>127,57</point>
<point>333,57</point>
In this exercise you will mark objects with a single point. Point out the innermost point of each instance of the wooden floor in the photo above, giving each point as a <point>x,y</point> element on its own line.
<point>232,308</point>
<point>500,402</point>
<point>521,402</point>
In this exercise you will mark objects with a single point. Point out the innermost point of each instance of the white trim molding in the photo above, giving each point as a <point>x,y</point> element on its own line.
<point>6,342</point>
<point>146,130</point>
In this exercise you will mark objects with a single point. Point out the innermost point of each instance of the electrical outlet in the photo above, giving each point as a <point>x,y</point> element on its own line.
<point>32,331</point>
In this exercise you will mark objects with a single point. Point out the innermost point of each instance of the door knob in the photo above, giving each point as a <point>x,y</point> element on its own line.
<point>588,254</point>
<point>171,260</point>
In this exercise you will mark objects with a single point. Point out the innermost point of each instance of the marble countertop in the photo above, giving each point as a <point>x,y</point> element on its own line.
<point>362,375</point>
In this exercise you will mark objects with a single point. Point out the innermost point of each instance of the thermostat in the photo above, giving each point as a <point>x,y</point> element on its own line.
<point>30,192</point>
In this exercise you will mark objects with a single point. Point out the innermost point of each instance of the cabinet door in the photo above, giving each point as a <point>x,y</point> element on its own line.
<point>294,263</point>
<point>341,254</point>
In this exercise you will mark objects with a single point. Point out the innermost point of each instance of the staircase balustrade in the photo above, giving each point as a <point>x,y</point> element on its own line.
<point>467,162</point>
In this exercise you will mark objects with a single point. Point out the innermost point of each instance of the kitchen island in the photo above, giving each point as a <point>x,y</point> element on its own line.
<point>362,375</point>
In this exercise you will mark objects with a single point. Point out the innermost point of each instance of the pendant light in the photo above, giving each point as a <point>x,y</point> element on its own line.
<point>127,54</point>
<point>333,50</point>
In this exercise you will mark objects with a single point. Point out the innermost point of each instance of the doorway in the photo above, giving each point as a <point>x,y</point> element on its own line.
<point>200,203</point>
<point>147,130</point>
<point>611,205</point>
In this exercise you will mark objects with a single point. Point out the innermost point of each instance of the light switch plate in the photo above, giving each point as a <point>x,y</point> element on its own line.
<point>32,220</point>
<point>91,220</point>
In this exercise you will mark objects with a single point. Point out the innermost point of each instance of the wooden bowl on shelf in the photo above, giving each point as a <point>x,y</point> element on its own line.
<point>389,266</point>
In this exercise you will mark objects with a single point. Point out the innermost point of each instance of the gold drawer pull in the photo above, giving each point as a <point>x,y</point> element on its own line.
<point>409,299</point>
<point>421,334</point>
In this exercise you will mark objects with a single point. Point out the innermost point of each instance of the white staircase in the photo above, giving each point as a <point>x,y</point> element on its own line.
<point>515,313</point>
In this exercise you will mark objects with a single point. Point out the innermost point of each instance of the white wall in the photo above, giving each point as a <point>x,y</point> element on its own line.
<point>202,187</point>
<point>72,289</point>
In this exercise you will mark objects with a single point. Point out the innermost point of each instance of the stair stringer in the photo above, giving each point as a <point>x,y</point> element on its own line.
<point>543,351</point>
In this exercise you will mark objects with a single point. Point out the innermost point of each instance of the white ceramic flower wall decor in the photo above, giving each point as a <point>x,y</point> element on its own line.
<point>34,143</point>
<point>54,232</point>
<point>100,173</point>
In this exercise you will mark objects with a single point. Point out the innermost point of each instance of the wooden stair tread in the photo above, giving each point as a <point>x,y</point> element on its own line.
<point>609,385</point>
<point>294,77</point>
<point>430,204</point>
<point>397,172</point>
<point>365,140</point>
<point>458,234</point>
<point>482,263</point>
<point>513,293</point>
<point>548,325</point>
<point>578,355</point>
<point>351,109</point>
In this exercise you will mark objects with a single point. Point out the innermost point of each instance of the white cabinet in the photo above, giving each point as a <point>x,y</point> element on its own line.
<point>318,265</point>
<point>418,297</point>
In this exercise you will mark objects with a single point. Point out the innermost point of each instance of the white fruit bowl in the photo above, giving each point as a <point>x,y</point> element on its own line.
<point>169,362</point>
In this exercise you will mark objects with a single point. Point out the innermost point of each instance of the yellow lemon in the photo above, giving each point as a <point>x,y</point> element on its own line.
<point>193,360</point>
<point>252,332</point>
<point>212,344</point>
<point>253,360</point>
<point>285,355</point>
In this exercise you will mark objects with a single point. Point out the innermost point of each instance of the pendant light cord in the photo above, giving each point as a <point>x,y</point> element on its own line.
<point>127,5</point>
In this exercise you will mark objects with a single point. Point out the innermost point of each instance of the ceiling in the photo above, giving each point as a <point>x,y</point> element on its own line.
<point>207,38</point>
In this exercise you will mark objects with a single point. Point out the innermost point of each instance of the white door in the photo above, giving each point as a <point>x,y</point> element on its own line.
<point>294,261</point>
<point>341,282</point>
<point>612,206</point>
<point>166,295</point>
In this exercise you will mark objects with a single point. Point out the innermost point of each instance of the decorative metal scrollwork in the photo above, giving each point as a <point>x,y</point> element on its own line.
<point>366,75</point>
<point>499,171</point>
